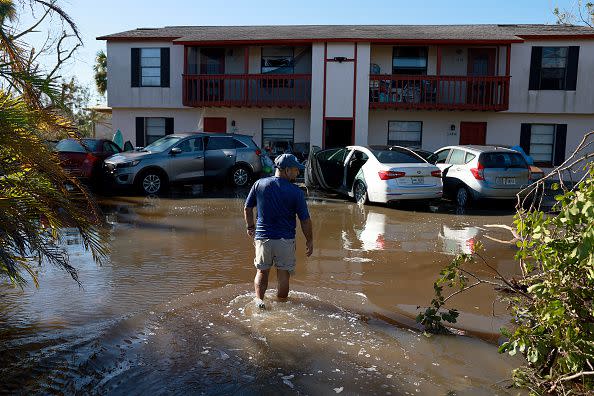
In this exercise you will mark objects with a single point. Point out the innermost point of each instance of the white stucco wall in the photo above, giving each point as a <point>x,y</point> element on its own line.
<point>247,121</point>
<point>502,128</point>
<point>521,100</point>
<point>362,94</point>
<point>317,94</point>
<point>119,90</point>
<point>340,80</point>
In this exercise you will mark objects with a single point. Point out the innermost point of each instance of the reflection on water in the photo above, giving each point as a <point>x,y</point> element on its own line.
<point>172,312</point>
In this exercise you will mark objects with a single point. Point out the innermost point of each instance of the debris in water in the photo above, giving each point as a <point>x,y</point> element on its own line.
<point>338,390</point>
<point>288,377</point>
<point>288,383</point>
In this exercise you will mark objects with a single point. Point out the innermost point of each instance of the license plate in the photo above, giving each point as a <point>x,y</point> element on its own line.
<point>506,180</point>
<point>417,180</point>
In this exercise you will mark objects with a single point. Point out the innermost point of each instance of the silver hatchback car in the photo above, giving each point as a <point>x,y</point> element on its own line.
<point>474,172</point>
<point>186,158</point>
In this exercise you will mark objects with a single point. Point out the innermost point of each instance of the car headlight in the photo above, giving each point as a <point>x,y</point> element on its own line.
<point>128,164</point>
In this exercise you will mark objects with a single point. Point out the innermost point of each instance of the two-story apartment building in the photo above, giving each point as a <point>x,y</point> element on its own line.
<point>422,86</point>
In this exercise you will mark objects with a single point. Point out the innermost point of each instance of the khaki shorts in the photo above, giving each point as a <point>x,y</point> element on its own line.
<point>280,252</point>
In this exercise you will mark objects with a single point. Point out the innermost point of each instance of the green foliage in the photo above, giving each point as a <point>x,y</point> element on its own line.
<point>38,199</point>
<point>452,277</point>
<point>100,69</point>
<point>555,325</point>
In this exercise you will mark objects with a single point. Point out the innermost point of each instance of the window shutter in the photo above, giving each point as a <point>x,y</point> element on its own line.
<point>560,139</point>
<point>572,68</point>
<point>525,135</point>
<point>135,67</point>
<point>165,67</point>
<point>139,131</point>
<point>535,64</point>
<point>168,126</point>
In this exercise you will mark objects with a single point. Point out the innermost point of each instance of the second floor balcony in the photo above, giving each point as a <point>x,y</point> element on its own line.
<point>423,92</point>
<point>247,90</point>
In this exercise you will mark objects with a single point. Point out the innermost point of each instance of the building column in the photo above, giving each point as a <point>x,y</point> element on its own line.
<point>361,108</point>
<point>317,94</point>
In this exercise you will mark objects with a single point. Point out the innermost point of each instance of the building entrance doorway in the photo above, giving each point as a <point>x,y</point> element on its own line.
<point>338,133</point>
<point>473,133</point>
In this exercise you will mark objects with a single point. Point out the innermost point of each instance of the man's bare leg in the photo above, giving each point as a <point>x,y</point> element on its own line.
<point>261,283</point>
<point>283,284</point>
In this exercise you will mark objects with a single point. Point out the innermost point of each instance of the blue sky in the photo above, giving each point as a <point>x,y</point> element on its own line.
<point>96,18</point>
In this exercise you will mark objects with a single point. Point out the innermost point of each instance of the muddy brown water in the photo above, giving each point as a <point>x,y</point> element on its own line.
<point>171,312</point>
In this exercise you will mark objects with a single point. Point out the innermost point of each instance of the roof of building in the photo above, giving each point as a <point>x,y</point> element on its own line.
<point>502,33</point>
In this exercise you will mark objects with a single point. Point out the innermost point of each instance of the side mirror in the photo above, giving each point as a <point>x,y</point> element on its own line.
<point>175,150</point>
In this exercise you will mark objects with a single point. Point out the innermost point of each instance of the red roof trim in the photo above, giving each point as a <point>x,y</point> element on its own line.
<point>348,40</point>
<point>107,38</point>
<point>557,36</point>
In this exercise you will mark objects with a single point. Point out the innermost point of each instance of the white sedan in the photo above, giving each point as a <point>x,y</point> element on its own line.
<point>374,173</point>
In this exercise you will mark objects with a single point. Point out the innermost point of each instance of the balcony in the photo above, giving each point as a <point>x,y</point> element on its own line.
<point>422,92</point>
<point>247,90</point>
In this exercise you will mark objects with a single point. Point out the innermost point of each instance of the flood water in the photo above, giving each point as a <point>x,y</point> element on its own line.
<point>172,312</point>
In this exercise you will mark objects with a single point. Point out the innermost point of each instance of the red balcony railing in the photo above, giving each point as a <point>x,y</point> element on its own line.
<point>439,92</point>
<point>278,90</point>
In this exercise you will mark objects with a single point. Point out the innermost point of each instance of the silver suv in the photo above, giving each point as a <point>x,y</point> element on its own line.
<point>474,172</point>
<point>186,157</point>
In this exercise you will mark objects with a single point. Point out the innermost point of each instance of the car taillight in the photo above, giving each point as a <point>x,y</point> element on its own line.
<point>258,152</point>
<point>436,173</point>
<point>478,172</point>
<point>386,175</point>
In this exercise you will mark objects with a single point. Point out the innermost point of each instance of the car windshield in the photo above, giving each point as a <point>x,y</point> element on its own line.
<point>503,160</point>
<point>162,144</point>
<point>397,156</point>
<point>73,146</point>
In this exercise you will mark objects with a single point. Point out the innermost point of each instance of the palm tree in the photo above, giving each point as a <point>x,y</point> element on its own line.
<point>37,198</point>
<point>100,69</point>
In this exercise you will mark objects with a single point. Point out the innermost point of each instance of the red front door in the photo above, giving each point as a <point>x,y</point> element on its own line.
<point>215,124</point>
<point>473,133</point>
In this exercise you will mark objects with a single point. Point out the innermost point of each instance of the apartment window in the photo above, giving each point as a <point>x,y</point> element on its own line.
<point>278,60</point>
<point>554,68</point>
<point>545,143</point>
<point>150,129</point>
<point>409,60</point>
<point>150,67</point>
<point>405,133</point>
<point>278,135</point>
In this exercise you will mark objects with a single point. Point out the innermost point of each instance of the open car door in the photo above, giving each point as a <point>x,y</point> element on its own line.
<point>325,168</point>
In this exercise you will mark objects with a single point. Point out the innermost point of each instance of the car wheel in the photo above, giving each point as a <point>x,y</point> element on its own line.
<point>463,197</point>
<point>152,182</point>
<point>360,193</point>
<point>240,176</point>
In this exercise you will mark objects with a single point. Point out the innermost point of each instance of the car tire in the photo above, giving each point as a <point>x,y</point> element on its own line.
<point>360,193</point>
<point>463,196</point>
<point>151,182</point>
<point>241,176</point>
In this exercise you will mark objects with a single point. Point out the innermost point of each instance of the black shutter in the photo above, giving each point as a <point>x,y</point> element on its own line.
<point>535,64</point>
<point>525,134</point>
<point>139,131</point>
<point>165,67</point>
<point>135,67</point>
<point>560,139</point>
<point>572,68</point>
<point>168,126</point>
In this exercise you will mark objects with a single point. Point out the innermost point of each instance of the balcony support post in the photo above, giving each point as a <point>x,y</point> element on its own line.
<point>246,71</point>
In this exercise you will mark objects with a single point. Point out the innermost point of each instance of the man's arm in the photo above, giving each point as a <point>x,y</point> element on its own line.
<point>307,230</point>
<point>249,221</point>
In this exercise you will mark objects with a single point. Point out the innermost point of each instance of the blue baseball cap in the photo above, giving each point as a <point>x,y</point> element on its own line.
<point>284,161</point>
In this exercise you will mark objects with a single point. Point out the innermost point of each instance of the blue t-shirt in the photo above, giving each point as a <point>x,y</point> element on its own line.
<point>278,201</point>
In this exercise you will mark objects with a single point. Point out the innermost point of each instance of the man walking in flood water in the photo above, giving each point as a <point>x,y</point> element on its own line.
<point>278,202</point>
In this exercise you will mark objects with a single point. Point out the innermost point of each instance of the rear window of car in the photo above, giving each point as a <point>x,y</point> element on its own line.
<point>73,146</point>
<point>397,156</point>
<point>502,160</point>
<point>239,144</point>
